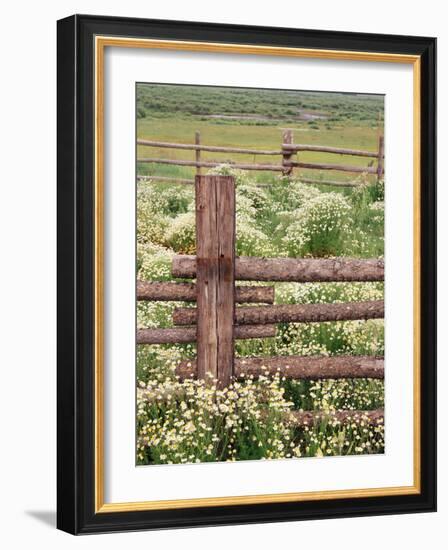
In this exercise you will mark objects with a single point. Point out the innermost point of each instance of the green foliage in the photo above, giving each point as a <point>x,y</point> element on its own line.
<point>153,262</point>
<point>367,200</point>
<point>166,199</point>
<point>193,421</point>
<point>367,192</point>
<point>152,225</point>
<point>321,228</point>
<point>255,107</point>
<point>181,235</point>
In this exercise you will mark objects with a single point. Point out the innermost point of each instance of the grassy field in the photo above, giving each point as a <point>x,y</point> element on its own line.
<point>184,422</point>
<point>175,113</point>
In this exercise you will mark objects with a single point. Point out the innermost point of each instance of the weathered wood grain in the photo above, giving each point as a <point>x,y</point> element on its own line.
<point>300,270</point>
<point>210,148</point>
<point>339,167</point>
<point>215,280</point>
<point>185,335</point>
<point>295,313</point>
<point>326,149</point>
<point>298,367</point>
<point>212,164</point>
<point>187,292</point>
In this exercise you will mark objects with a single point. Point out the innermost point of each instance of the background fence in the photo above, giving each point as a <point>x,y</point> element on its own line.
<point>216,321</point>
<point>289,153</point>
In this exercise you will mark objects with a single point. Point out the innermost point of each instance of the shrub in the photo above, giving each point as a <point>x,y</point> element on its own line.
<point>151,225</point>
<point>168,199</point>
<point>154,262</point>
<point>174,199</point>
<point>155,314</point>
<point>250,241</point>
<point>181,235</point>
<point>250,202</point>
<point>377,213</point>
<point>322,226</point>
<point>251,192</point>
<point>368,211</point>
<point>245,209</point>
<point>367,191</point>
<point>285,193</point>
<point>156,205</point>
<point>299,193</point>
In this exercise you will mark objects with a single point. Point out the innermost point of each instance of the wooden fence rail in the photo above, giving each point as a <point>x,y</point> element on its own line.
<point>187,181</point>
<point>240,150</point>
<point>298,367</point>
<point>185,335</point>
<point>209,148</point>
<point>300,270</point>
<point>293,313</point>
<point>288,149</point>
<point>210,164</point>
<point>339,167</point>
<point>187,292</point>
<point>263,167</point>
<point>334,150</point>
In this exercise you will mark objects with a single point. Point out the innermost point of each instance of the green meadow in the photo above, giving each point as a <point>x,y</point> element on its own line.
<point>255,119</point>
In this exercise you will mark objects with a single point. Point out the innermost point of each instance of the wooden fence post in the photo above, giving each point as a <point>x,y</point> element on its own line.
<point>197,141</point>
<point>215,276</point>
<point>287,153</point>
<point>380,168</point>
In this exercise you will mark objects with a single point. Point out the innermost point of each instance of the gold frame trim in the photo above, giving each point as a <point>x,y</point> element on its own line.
<point>101,42</point>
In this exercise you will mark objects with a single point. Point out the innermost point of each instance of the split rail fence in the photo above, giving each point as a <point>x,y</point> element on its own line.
<point>289,153</point>
<point>217,320</point>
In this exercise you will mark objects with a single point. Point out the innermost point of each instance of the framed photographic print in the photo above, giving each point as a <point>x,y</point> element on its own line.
<point>246,267</point>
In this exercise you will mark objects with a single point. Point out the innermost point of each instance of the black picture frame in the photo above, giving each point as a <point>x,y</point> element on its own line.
<point>76,271</point>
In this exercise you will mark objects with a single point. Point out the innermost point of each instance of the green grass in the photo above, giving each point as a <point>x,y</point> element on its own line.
<point>358,124</point>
